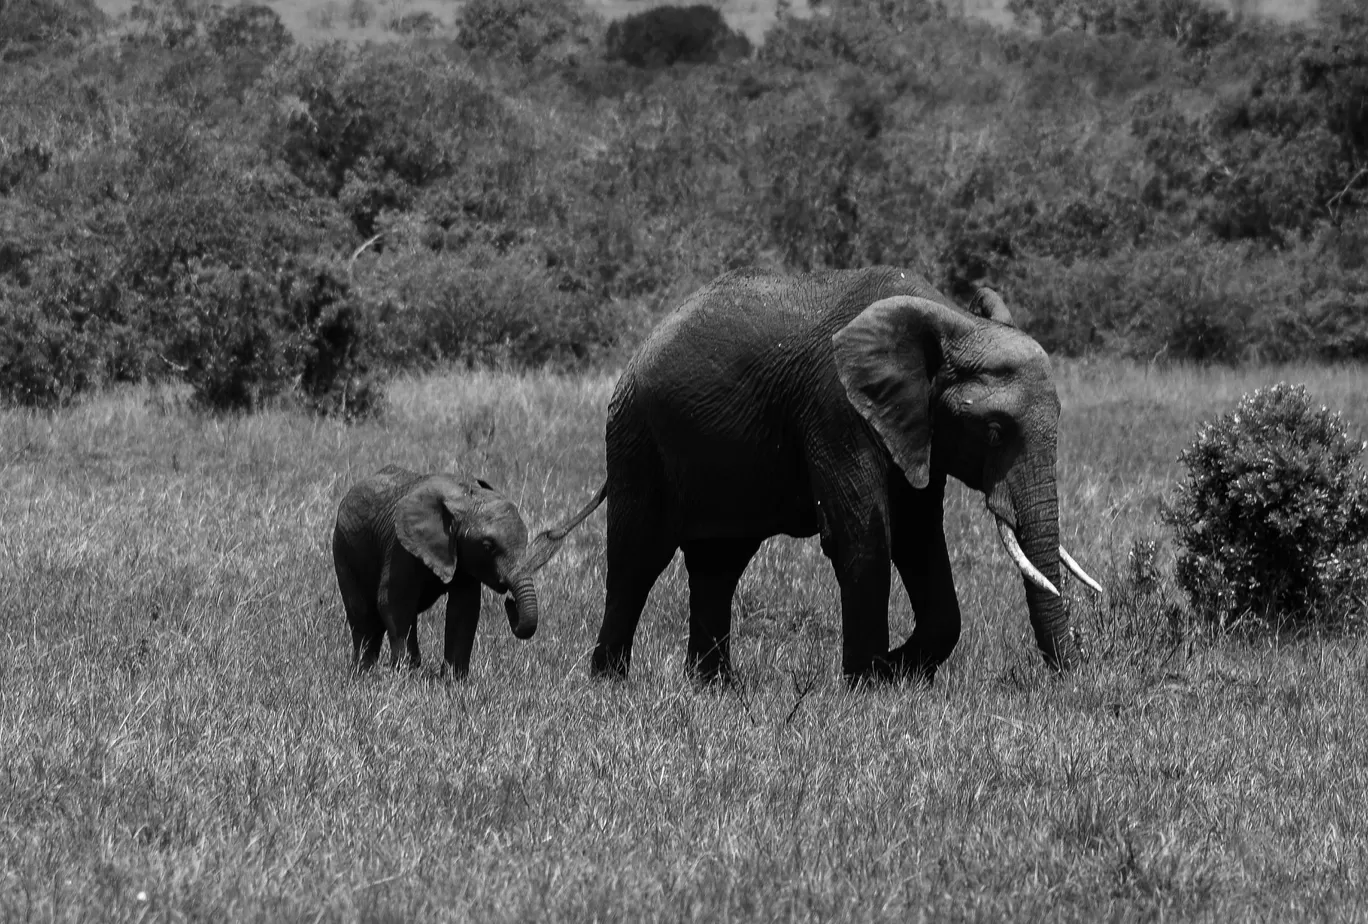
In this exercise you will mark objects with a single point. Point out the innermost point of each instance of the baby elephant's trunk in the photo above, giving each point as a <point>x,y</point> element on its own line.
<point>521,607</point>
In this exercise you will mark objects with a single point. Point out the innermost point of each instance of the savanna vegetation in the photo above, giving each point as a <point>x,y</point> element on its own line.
<point>466,228</point>
<point>190,194</point>
<point>181,738</point>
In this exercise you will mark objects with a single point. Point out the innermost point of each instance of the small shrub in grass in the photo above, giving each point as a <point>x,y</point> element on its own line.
<point>1272,519</point>
<point>1142,619</point>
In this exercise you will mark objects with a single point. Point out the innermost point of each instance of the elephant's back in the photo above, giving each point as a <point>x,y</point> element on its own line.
<point>749,323</point>
<point>719,396</point>
<point>760,300</point>
<point>366,510</point>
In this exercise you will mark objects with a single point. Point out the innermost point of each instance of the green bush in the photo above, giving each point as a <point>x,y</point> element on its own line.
<point>47,358</point>
<point>664,35</point>
<point>30,26</point>
<point>1153,181</point>
<point>487,307</point>
<point>247,338</point>
<point>527,31</point>
<point>1192,25</point>
<point>379,128</point>
<point>1272,518</point>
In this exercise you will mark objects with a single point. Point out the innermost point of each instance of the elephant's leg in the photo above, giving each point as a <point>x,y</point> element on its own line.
<point>925,570</point>
<point>715,566</point>
<point>638,551</point>
<point>398,601</point>
<point>367,630</point>
<point>415,658</point>
<point>366,645</point>
<point>462,617</point>
<point>923,562</point>
<point>859,551</point>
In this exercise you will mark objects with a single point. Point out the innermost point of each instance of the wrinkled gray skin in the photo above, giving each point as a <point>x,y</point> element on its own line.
<point>403,539</point>
<point>827,405</point>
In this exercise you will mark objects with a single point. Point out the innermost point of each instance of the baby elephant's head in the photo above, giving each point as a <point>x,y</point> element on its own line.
<point>467,527</point>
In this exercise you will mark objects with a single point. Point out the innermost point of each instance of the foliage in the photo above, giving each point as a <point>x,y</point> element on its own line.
<point>1133,186</point>
<point>1274,160</point>
<point>376,130</point>
<point>1191,24</point>
<point>247,338</point>
<point>665,35</point>
<point>46,357</point>
<point>1272,520</point>
<point>524,30</point>
<point>29,26</point>
<point>248,26</point>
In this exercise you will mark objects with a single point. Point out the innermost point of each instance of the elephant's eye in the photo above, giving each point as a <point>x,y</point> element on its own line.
<point>995,434</point>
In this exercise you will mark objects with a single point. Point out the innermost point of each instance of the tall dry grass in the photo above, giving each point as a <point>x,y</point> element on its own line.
<point>180,738</point>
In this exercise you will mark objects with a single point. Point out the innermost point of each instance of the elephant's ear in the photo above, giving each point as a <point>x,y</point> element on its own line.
<point>988,304</point>
<point>881,358</point>
<point>425,519</point>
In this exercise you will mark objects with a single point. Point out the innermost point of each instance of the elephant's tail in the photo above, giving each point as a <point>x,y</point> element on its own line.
<point>545,544</point>
<point>557,533</point>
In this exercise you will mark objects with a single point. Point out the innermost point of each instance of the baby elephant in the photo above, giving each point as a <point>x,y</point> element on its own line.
<point>403,539</point>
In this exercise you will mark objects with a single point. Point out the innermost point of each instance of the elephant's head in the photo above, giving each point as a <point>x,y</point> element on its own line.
<point>468,527</point>
<point>971,397</point>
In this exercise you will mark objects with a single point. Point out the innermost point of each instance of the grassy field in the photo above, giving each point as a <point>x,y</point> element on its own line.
<point>180,738</point>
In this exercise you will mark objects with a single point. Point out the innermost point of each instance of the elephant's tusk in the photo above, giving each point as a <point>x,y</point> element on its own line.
<point>1078,571</point>
<point>1032,573</point>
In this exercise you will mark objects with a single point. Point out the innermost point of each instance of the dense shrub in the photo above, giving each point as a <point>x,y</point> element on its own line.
<point>1192,25</point>
<point>665,35</point>
<point>249,27</point>
<point>30,26</point>
<point>487,307</point>
<point>380,129</point>
<point>1281,155</point>
<point>1272,518</point>
<point>246,338</point>
<point>46,358</point>
<point>178,202</point>
<point>422,22</point>
<point>527,31</point>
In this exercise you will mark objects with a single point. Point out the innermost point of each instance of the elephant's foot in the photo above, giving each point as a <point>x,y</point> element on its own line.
<point>893,669</point>
<point>609,663</point>
<point>907,664</point>
<point>709,671</point>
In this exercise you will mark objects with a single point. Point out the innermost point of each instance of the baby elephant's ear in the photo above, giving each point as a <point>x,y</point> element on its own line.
<point>424,521</point>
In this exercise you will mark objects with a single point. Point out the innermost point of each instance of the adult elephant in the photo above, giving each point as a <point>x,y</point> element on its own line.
<point>833,404</point>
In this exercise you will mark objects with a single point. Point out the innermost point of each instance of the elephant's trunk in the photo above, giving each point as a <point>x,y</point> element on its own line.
<point>521,607</point>
<point>1036,499</point>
